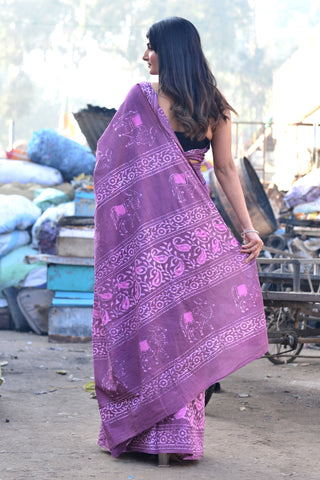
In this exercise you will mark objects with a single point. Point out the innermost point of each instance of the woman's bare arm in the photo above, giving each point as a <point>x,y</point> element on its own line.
<point>228,178</point>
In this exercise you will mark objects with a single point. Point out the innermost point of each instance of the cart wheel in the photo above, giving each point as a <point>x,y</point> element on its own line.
<point>283,319</point>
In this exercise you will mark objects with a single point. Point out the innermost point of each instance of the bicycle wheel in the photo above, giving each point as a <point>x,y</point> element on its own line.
<point>283,320</point>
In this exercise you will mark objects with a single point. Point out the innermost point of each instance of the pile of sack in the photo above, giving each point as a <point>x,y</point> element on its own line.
<point>36,191</point>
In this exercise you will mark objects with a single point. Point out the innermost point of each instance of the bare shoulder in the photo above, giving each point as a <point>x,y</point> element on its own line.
<point>155,86</point>
<point>223,126</point>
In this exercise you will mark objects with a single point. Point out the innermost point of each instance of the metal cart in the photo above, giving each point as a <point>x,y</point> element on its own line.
<point>291,294</point>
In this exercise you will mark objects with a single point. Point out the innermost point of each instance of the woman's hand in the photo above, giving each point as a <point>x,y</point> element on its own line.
<point>252,245</point>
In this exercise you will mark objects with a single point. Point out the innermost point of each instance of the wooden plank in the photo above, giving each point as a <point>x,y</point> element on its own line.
<point>73,299</point>
<point>56,259</point>
<point>77,278</point>
<point>72,302</point>
<point>81,232</point>
<point>65,294</point>
<point>79,247</point>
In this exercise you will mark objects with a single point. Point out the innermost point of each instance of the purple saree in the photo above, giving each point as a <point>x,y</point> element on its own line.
<point>176,307</point>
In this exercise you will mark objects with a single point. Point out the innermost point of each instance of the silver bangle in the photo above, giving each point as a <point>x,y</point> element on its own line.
<point>248,231</point>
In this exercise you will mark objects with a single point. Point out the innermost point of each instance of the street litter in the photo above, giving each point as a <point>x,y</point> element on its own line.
<point>89,387</point>
<point>2,364</point>
<point>72,378</point>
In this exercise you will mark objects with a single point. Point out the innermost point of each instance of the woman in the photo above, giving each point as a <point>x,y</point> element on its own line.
<point>177,299</point>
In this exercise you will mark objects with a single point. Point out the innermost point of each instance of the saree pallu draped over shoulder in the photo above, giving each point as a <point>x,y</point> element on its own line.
<point>176,308</point>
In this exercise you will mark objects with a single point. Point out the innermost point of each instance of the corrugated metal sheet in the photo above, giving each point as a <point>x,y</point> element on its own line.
<point>93,121</point>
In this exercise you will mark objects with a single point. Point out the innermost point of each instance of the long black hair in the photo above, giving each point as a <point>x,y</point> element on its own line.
<point>185,76</point>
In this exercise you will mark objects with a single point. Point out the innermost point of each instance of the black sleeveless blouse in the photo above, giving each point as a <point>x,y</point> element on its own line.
<point>188,144</point>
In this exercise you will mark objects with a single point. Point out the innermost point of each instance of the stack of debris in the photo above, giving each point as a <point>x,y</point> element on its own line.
<point>70,273</point>
<point>300,216</point>
<point>46,231</point>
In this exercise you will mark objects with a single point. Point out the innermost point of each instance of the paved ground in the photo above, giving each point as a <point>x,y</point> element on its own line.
<point>264,425</point>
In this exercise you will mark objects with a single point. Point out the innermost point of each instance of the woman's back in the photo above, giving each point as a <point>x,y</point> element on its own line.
<point>165,102</point>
